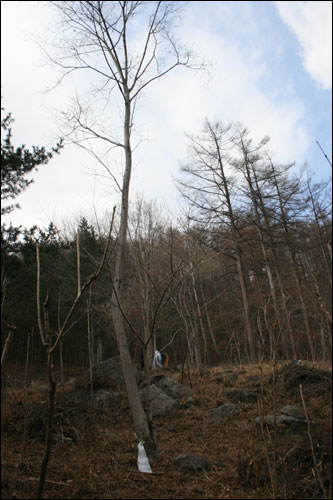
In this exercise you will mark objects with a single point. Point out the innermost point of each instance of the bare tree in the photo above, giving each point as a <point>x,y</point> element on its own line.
<point>211,191</point>
<point>286,192</point>
<point>106,39</point>
<point>252,164</point>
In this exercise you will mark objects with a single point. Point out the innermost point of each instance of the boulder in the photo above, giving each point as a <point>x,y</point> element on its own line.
<point>223,411</point>
<point>286,422</point>
<point>107,374</point>
<point>191,463</point>
<point>160,403</point>
<point>171,387</point>
<point>293,411</point>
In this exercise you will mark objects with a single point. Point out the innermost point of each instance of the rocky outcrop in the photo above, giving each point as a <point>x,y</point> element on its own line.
<point>166,395</point>
<point>107,374</point>
<point>171,387</point>
<point>160,403</point>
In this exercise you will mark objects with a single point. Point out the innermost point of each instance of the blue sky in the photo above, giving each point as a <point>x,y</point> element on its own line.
<point>270,68</point>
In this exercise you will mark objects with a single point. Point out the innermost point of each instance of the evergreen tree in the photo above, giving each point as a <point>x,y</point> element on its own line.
<point>17,163</point>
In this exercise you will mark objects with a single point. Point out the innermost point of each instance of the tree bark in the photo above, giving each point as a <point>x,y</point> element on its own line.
<point>139,416</point>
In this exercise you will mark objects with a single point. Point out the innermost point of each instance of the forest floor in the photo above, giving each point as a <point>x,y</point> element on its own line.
<point>94,453</point>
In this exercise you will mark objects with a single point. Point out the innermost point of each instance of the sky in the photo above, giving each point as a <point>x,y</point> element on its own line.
<point>270,68</point>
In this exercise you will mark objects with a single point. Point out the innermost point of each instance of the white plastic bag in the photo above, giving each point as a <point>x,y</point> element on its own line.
<point>143,462</point>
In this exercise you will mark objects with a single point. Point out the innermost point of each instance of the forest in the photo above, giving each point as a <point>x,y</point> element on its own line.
<point>245,276</point>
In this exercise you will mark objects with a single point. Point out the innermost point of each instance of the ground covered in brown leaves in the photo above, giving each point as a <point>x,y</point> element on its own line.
<point>94,453</point>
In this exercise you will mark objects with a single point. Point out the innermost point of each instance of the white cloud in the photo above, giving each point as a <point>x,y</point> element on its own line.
<point>251,83</point>
<point>311,22</point>
<point>182,101</point>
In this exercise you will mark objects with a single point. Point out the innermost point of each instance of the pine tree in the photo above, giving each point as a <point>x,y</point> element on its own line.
<point>17,163</point>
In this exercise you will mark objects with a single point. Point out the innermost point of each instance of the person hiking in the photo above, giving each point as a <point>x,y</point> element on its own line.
<point>157,361</point>
<point>165,360</point>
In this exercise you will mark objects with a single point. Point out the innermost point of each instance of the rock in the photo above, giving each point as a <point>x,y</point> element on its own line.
<point>284,422</point>
<point>223,411</point>
<point>293,411</point>
<point>293,374</point>
<point>191,463</point>
<point>241,395</point>
<point>107,374</point>
<point>160,403</point>
<point>171,387</point>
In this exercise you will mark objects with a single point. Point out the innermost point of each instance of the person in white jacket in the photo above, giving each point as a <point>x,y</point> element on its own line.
<point>157,361</point>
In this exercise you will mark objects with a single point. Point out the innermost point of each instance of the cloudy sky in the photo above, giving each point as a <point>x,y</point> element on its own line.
<point>270,68</point>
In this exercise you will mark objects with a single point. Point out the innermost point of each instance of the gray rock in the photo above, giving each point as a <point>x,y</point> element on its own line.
<point>171,387</point>
<point>160,403</point>
<point>284,422</point>
<point>293,411</point>
<point>108,373</point>
<point>241,395</point>
<point>223,411</point>
<point>110,368</point>
<point>191,463</point>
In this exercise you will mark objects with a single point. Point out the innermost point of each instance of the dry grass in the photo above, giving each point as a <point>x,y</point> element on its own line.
<point>94,453</point>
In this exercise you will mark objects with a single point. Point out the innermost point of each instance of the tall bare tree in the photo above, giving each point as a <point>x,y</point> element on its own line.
<point>252,164</point>
<point>212,193</point>
<point>127,45</point>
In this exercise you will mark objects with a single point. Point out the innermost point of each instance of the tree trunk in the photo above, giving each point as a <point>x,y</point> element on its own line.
<point>246,307</point>
<point>140,420</point>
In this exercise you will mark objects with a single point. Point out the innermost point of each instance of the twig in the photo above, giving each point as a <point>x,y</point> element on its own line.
<point>50,481</point>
